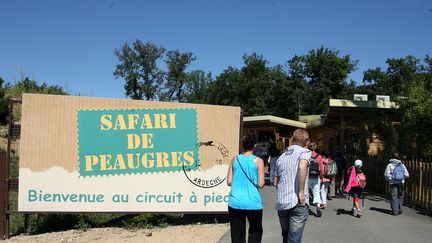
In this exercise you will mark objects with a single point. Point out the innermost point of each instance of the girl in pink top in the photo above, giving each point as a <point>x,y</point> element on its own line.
<point>354,187</point>
<point>324,181</point>
<point>315,181</point>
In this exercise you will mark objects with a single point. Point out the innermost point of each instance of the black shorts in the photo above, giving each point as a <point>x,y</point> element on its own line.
<point>356,192</point>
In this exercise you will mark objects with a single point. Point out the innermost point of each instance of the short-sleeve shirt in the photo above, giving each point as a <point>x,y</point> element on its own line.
<point>287,172</point>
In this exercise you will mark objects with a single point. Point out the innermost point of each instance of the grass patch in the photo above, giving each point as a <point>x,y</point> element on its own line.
<point>43,223</point>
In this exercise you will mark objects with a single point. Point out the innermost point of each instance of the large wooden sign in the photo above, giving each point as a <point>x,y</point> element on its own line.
<point>80,154</point>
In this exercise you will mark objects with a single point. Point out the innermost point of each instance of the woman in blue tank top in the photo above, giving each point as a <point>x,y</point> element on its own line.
<point>246,176</point>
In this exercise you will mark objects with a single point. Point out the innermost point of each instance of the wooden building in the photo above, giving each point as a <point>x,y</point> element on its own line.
<point>344,127</point>
<point>271,128</point>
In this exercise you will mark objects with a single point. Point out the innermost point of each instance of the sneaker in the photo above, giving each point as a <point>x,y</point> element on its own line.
<point>319,214</point>
<point>355,212</point>
<point>400,212</point>
<point>359,213</point>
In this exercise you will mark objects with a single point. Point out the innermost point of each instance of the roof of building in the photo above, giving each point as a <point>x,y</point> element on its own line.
<point>363,104</point>
<point>347,107</point>
<point>313,120</point>
<point>275,119</point>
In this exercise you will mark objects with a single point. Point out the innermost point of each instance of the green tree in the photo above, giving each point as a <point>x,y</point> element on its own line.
<point>223,91</point>
<point>4,101</point>
<point>326,74</point>
<point>196,90</point>
<point>395,81</point>
<point>426,72</point>
<point>298,87</point>
<point>138,67</point>
<point>257,88</point>
<point>416,104</point>
<point>417,115</point>
<point>249,87</point>
<point>27,85</point>
<point>176,78</point>
<point>408,82</point>
<point>256,84</point>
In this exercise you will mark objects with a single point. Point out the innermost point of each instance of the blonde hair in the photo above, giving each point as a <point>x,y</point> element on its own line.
<point>300,137</point>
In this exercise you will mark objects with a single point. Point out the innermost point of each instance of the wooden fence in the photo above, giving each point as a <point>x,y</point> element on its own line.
<point>418,187</point>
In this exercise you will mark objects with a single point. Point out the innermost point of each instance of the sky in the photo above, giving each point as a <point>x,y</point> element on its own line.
<point>72,43</point>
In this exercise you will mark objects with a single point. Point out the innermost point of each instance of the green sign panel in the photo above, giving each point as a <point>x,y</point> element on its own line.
<point>116,142</point>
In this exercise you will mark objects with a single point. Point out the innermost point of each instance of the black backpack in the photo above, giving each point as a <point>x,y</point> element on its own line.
<point>314,168</point>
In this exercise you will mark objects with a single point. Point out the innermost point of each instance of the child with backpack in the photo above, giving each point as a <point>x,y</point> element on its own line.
<point>315,164</point>
<point>325,181</point>
<point>395,174</point>
<point>356,183</point>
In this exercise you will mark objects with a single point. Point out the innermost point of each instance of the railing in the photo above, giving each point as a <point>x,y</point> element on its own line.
<point>418,187</point>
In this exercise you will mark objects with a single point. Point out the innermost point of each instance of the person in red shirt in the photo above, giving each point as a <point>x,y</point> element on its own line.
<point>314,180</point>
<point>324,181</point>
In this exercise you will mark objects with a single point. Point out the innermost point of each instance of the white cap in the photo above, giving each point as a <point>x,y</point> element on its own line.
<point>358,163</point>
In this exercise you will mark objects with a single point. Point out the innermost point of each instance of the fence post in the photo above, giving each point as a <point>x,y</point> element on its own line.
<point>3,198</point>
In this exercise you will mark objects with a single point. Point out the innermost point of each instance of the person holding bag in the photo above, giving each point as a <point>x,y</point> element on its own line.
<point>246,177</point>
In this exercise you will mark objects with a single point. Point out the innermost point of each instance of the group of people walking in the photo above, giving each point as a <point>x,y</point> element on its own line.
<point>297,171</point>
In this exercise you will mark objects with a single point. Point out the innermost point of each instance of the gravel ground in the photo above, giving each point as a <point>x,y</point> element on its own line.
<point>177,234</point>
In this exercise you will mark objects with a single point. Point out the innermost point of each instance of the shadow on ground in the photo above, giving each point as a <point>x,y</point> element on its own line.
<point>344,212</point>
<point>374,198</point>
<point>381,210</point>
<point>425,213</point>
<point>311,212</point>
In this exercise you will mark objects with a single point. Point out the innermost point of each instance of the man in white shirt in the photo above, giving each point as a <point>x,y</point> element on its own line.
<point>292,183</point>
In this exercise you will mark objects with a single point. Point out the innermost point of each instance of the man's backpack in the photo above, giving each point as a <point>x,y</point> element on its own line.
<point>398,174</point>
<point>361,180</point>
<point>314,168</point>
<point>330,169</point>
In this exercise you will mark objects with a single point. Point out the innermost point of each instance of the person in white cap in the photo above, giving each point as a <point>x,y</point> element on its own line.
<point>356,183</point>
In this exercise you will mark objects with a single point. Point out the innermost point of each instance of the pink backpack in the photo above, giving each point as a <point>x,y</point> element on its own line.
<point>361,180</point>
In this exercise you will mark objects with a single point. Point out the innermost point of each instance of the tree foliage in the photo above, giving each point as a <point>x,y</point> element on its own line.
<point>222,89</point>
<point>4,101</point>
<point>250,87</point>
<point>176,77</point>
<point>325,73</point>
<point>255,86</point>
<point>401,73</point>
<point>417,114</point>
<point>304,88</point>
<point>138,67</point>
<point>196,90</point>
<point>25,85</point>
<point>408,82</point>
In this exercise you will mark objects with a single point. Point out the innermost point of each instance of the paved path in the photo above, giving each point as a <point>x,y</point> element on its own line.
<point>338,225</point>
